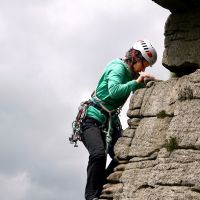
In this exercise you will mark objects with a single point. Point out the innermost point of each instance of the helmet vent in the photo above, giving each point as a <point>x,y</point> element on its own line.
<point>149,54</point>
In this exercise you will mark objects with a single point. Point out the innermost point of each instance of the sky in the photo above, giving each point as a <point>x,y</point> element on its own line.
<point>52,53</point>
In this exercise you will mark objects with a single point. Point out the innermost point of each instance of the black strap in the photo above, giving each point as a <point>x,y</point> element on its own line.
<point>98,107</point>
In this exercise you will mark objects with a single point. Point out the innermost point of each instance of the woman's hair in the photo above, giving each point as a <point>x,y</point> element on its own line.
<point>133,56</point>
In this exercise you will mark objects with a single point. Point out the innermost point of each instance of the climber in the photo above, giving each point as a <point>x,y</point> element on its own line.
<point>101,126</point>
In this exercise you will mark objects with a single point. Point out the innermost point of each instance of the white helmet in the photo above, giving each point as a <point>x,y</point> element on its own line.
<point>147,51</point>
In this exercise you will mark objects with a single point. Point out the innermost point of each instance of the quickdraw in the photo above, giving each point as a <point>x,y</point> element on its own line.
<point>76,125</point>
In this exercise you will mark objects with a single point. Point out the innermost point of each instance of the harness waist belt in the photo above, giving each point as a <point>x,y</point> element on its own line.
<point>98,107</point>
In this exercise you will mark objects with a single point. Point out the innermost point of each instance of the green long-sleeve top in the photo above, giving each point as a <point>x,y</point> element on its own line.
<point>113,88</point>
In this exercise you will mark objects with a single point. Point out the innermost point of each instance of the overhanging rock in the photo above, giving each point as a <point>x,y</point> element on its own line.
<point>182,36</point>
<point>178,5</point>
<point>182,42</point>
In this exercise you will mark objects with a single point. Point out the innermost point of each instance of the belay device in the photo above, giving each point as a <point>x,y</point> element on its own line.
<point>76,125</point>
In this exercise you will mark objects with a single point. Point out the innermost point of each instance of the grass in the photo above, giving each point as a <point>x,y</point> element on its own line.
<point>162,114</point>
<point>171,144</point>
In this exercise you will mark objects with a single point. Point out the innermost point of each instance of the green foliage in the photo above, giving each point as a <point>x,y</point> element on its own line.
<point>162,114</point>
<point>171,144</point>
<point>185,93</point>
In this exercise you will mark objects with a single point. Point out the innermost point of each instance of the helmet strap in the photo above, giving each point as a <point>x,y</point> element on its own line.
<point>133,56</point>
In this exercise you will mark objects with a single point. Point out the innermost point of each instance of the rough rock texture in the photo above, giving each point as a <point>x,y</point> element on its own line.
<point>159,153</point>
<point>182,36</point>
<point>182,42</point>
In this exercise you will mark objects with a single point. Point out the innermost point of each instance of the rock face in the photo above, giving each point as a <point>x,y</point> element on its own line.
<point>159,153</point>
<point>182,42</point>
<point>182,36</point>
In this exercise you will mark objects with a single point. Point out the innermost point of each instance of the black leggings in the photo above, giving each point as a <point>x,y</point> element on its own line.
<point>94,141</point>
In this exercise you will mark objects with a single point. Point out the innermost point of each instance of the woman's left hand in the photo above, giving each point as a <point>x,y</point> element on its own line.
<point>143,76</point>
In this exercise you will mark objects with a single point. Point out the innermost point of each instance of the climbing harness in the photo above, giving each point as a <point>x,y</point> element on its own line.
<point>76,125</point>
<point>107,130</point>
<point>106,127</point>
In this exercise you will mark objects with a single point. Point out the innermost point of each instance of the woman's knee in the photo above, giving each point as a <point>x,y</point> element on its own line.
<point>98,155</point>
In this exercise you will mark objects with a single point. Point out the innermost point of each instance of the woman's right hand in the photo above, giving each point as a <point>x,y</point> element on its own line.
<point>144,75</point>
